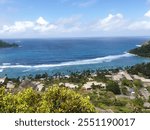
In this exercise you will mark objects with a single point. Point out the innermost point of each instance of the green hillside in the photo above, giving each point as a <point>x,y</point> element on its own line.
<point>143,51</point>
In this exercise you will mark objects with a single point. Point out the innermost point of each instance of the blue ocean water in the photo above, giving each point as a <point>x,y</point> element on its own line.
<point>68,54</point>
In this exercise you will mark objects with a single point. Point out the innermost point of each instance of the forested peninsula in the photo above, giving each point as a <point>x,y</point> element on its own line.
<point>4,44</point>
<point>143,50</point>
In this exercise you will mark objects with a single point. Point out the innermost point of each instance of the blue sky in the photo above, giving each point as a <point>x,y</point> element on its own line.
<point>74,18</point>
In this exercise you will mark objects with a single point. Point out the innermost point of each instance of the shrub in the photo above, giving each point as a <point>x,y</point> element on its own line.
<point>54,100</point>
<point>113,87</point>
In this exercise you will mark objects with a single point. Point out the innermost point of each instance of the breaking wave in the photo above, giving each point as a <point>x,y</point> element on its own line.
<point>6,64</point>
<point>71,63</point>
<point>138,45</point>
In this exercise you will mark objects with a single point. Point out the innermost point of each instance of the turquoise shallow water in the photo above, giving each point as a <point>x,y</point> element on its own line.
<point>68,54</point>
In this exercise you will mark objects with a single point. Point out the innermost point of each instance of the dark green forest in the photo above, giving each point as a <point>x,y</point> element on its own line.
<point>140,69</point>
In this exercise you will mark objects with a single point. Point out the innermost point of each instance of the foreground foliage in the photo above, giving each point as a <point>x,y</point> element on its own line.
<point>54,100</point>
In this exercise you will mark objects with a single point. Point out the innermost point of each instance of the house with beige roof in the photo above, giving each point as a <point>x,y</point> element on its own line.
<point>88,85</point>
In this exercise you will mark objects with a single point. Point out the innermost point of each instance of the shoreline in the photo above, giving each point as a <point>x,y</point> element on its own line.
<point>27,70</point>
<point>68,72</point>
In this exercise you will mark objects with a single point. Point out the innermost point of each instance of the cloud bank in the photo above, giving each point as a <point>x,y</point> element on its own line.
<point>112,23</point>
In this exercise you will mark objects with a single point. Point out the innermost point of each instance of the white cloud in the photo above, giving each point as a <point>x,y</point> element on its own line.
<point>47,28</point>
<point>41,21</point>
<point>41,25</point>
<point>18,26</point>
<point>147,14</point>
<point>72,26</point>
<point>44,26</point>
<point>110,22</point>
<point>21,26</point>
<point>139,25</point>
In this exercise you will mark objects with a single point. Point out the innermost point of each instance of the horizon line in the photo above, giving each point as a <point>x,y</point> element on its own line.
<point>72,37</point>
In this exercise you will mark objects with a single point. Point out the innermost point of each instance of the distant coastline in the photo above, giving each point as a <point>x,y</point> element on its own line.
<point>4,44</point>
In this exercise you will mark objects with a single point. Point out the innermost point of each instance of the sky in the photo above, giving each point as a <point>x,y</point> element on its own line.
<point>74,18</point>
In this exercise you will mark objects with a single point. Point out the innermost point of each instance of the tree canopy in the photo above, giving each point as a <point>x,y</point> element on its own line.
<point>143,69</point>
<point>113,87</point>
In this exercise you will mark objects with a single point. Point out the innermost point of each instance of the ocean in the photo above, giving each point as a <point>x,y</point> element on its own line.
<point>65,55</point>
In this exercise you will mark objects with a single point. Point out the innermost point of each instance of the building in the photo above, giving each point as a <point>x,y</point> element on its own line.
<point>88,85</point>
<point>69,85</point>
<point>2,80</point>
<point>38,85</point>
<point>146,104</point>
<point>10,85</point>
<point>146,82</point>
<point>120,75</point>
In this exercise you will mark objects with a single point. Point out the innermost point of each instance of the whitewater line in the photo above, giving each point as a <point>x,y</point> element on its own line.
<point>72,63</point>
